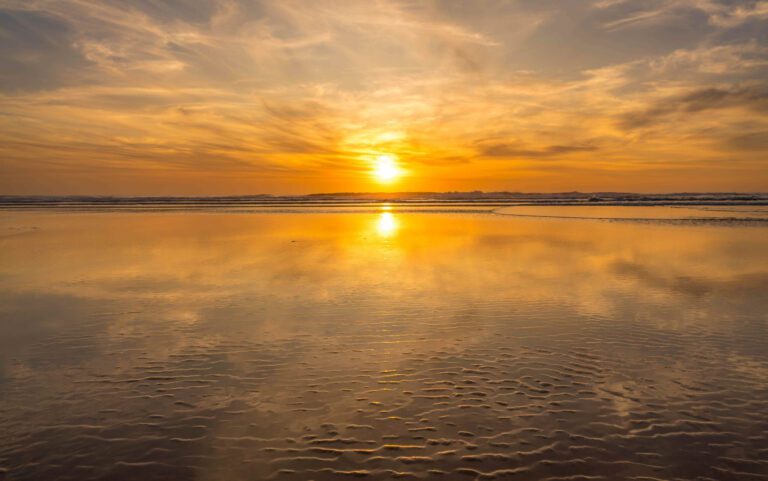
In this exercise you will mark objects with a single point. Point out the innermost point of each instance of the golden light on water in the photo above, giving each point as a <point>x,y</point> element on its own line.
<point>387,224</point>
<point>386,169</point>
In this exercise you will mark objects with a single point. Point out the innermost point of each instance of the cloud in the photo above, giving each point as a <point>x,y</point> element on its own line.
<point>750,141</point>
<point>36,51</point>
<point>736,13</point>
<point>750,98</point>
<point>514,150</point>
<point>634,18</point>
<point>742,60</point>
<point>722,14</point>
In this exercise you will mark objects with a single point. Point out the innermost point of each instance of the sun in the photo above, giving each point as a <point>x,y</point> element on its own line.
<point>385,168</point>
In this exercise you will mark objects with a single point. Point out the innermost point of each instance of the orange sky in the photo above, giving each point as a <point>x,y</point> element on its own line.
<point>197,97</point>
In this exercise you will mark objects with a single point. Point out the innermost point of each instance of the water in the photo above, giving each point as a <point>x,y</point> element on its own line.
<point>327,345</point>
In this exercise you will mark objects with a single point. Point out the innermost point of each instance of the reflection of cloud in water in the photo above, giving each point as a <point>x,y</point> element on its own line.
<point>261,334</point>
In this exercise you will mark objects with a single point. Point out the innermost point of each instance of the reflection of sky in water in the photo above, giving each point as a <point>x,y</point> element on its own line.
<point>288,268</point>
<point>256,308</point>
<point>291,267</point>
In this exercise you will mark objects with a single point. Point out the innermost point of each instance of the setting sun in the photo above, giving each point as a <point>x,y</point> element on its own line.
<point>385,169</point>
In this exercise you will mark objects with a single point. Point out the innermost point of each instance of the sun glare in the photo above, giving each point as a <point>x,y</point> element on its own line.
<point>385,169</point>
<point>386,224</point>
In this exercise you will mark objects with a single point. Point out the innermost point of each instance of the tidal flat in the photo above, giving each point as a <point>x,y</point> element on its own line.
<point>383,343</point>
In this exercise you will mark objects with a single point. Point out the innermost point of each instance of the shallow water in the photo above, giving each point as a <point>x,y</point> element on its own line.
<point>660,212</point>
<point>323,346</point>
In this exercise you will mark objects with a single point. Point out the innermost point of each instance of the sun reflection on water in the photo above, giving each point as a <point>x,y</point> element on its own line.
<point>387,224</point>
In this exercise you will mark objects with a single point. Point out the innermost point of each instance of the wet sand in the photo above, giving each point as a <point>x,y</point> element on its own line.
<point>660,213</point>
<point>388,345</point>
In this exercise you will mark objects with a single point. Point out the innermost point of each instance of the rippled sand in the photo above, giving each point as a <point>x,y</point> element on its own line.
<point>380,346</point>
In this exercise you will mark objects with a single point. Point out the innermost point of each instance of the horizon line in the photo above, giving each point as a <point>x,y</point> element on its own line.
<point>388,194</point>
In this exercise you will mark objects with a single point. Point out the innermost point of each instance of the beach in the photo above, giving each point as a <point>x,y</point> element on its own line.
<point>382,342</point>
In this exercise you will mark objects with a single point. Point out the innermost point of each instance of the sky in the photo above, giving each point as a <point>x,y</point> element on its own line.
<point>217,97</point>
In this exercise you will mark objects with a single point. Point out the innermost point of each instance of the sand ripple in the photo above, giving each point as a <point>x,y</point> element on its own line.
<point>534,403</point>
